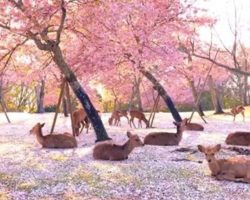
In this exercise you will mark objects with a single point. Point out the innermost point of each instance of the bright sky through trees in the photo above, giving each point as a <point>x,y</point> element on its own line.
<point>224,12</point>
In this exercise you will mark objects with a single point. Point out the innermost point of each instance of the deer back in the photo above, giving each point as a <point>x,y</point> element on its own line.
<point>194,127</point>
<point>59,141</point>
<point>109,151</point>
<point>238,138</point>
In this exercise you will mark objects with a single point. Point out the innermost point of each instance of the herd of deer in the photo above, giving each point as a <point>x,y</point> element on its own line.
<point>233,169</point>
<point>117,114</point>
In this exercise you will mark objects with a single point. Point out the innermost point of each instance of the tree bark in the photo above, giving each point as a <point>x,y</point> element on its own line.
<point>215,96</point>
<point>40,96</point>
<point>162,92</point>
<point>245,99</point>
<point>195,95</point>
<point>138,93</point>
<point>131,98</point>
<point>65,107</point>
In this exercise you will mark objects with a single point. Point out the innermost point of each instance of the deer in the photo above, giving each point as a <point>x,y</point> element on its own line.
<point>193,126</point>
<point>140,116</point>
<point>65,140</point>
<point>238,138</point>
<point>232,169</point>
<point>124,113</point>
<point>115,116</point>
<point>80,119</point>
<point>166,139</point>
<point>109,151</point>
<point>237,110</point>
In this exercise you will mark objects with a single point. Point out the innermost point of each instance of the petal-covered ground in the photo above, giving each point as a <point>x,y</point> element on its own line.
<point>151,172</point>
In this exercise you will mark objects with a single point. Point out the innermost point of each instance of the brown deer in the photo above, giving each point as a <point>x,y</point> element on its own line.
<point>193,126</point>
<point>237,110</point>
<point>140,116</point>
<point>80,120</point>
<point>238,138</point>
<point>115,116</point>
<point>166,139</point>
<point>110,151</point>
<point>53,141</point>
<point>231,169</point>
<point>124,113</point>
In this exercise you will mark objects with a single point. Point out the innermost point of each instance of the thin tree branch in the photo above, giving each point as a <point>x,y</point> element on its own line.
<point>59,31</point>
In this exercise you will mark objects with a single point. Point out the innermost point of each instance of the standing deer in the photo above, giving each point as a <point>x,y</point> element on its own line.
<point>193,126</point>
<point>140,116</point>
<point>110,151</point>
<point>166,139</point>
<point>231,169</point>
<point>53,141</point>
<point>238,109</point>
<point>238,138</point>
<point>124,113</point>
<point>80,120</point>
<point>115,116</point>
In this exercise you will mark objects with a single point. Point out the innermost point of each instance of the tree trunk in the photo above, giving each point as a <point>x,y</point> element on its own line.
<point>91,112</point>
<point>40,96</point>
<point>215,96</point>
<point>195,95</point>
<point>131,98</point>
<point>65,107</point>
<point>162,92</point>
<point>245,102</point>
<point>138,94</point>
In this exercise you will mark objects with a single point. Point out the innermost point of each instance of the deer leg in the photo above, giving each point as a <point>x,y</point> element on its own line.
<point>234,118</point>
<point>227,176</point>
<point>243,115</point>
<point>127,118</point>
<point>82,123</point>
<point>132,120</point>
<point>140,123</point>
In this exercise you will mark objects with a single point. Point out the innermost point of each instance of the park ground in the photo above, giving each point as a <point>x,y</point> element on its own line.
<point>151,172</point>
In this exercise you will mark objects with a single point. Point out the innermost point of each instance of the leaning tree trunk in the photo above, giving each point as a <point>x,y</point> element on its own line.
<point>92,114</point>
<point>195,95</point>
<point>162,92</point>
<point>215,96</point>
<point>40,96</point>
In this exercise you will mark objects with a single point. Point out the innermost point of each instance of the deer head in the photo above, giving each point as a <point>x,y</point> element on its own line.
<point>36,128</point>
<point>135,140</point>
<point>210,152</point>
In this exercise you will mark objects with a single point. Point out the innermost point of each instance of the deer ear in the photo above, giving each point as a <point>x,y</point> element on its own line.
<point>200,148</point>
<point>42,125</point>
<point>217,147</point>
<point>129,134</point>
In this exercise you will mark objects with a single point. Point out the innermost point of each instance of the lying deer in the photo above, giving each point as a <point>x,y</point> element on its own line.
<point>110,151</point>
<point>238,138</point>
<point>80,119</point>
<point>140,116</point>
<point>53,141</point>
<point>232,169</point>
<point>237,110</point>
<point>166,139</point>
<point>193,126</point>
